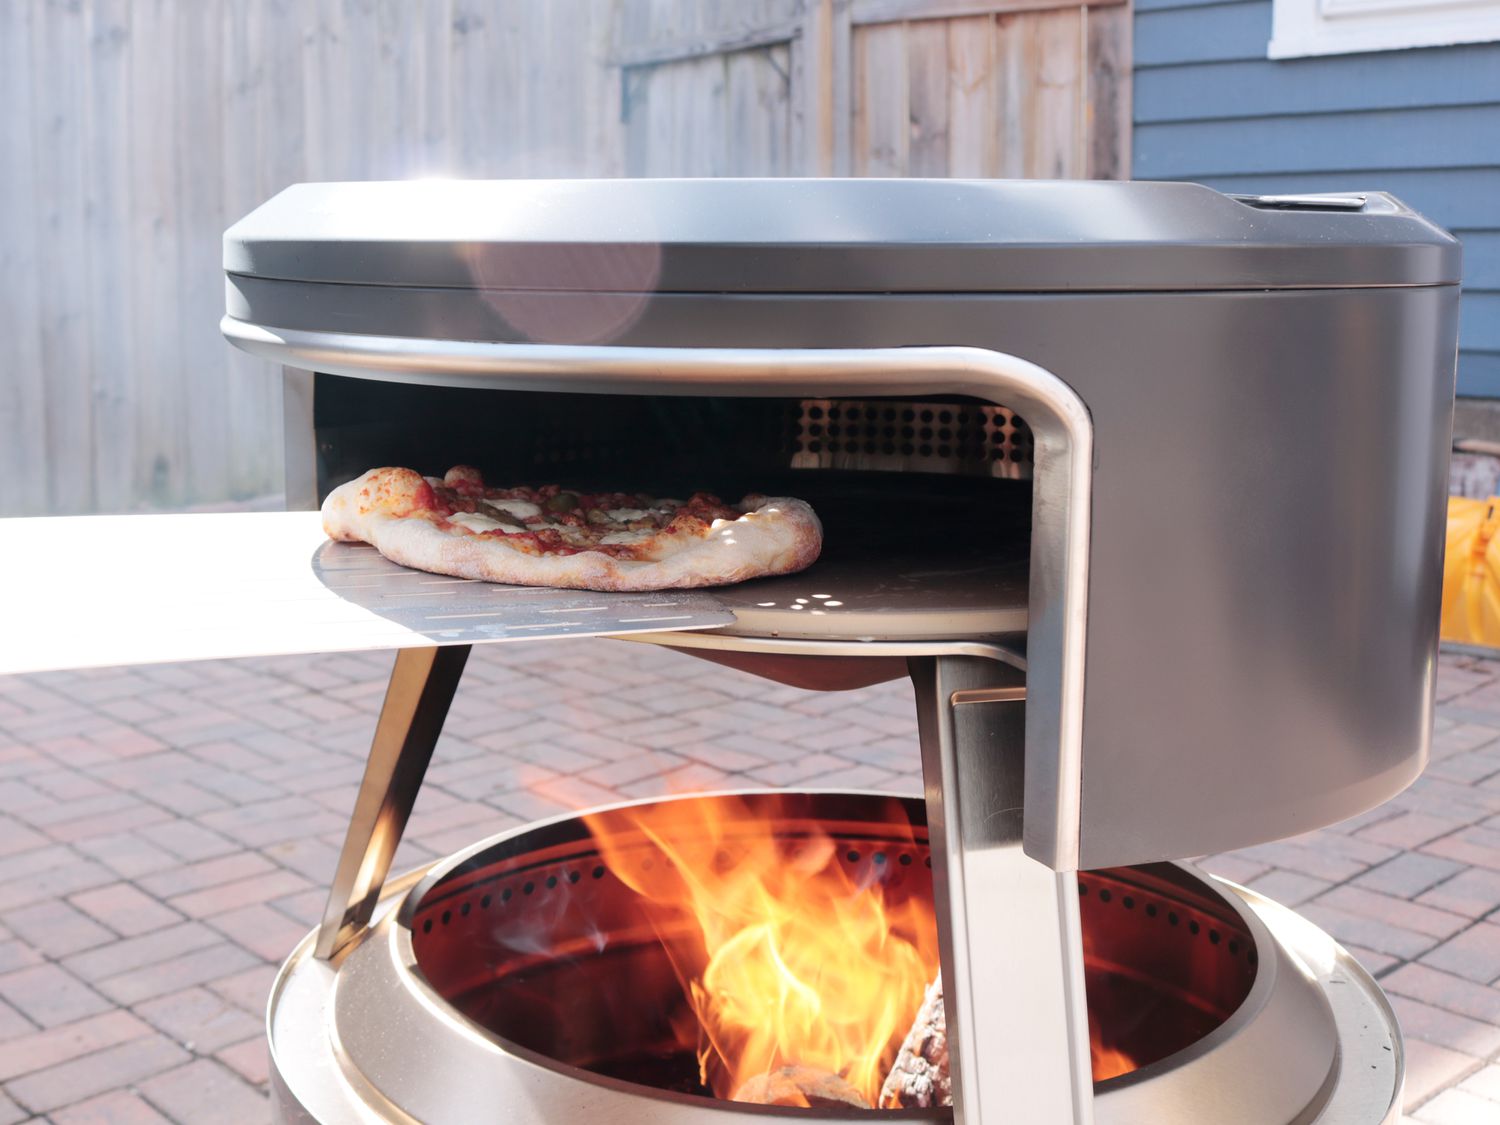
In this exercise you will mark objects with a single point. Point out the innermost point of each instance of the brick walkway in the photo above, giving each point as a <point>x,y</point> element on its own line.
<point>166,835</point>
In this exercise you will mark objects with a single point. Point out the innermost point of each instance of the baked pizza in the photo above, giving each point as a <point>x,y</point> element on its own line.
<point>552,536</point>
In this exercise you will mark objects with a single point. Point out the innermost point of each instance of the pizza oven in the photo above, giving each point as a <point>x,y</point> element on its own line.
<point>1141,485</point>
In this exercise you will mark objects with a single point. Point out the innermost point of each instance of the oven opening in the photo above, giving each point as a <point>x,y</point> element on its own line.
<point>558,941</point>
<point>926,505</point>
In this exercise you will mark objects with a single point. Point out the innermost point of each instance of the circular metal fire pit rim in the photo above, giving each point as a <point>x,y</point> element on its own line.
<point>320,1078</point>
<point>310,1085</point>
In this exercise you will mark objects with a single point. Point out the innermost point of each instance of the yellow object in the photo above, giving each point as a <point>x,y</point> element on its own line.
<point>1471,572</point>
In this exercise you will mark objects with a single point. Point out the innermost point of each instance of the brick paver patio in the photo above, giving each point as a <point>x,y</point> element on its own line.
<point>166,835</point>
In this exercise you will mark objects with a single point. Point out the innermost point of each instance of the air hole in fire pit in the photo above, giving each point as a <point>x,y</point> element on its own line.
<point>581,977</point>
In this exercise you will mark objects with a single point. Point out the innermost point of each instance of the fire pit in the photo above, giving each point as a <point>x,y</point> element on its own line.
<point>525,970</point>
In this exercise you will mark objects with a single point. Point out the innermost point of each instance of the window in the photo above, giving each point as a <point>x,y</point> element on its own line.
<point>1335,27</point>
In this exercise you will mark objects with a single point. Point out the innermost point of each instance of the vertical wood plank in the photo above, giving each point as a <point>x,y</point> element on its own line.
<point>437,155</point>
<point>927,98</point>
<point>1056,148</point>
<point>59,46</point>
<point>841,61</point>
<point>253,134</point>
<point>161,455</point>
<point>1015,92</point>
<point>810,60</point>
<point>23,424</point>
<point>881,126</point>
<point>198,213</point>
<point>775,99</point>
<point>604,135</point>
<point>973,133</point>
<point>107,183</point>
<point>1108,88</point>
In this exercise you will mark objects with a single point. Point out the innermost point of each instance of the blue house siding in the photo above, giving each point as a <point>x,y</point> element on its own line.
<point>1421,124</point>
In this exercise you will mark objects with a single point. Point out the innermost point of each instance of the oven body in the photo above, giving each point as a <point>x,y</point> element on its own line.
<point>1141,484</point>
<point>1271,415</point>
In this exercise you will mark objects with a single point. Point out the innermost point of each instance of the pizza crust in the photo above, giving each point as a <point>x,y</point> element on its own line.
<point>776,535</point>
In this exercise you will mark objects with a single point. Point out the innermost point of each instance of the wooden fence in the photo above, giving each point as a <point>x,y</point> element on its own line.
<point>135,131</point>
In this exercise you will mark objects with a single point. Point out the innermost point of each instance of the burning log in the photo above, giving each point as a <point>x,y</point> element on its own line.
<point>801,1086</point>
<point>919,1078</point>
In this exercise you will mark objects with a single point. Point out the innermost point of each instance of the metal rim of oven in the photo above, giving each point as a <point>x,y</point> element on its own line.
<point>1308,994</point>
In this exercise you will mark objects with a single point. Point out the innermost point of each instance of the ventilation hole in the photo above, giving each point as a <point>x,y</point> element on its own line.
<point>852,857</point>
<point>1083,890</point>
<point>908,415</point>
<point>427,926</point>
<point>945,434</point>
<point>815,447</point>
<point>1128,903</point>
<point>945,417</point>
<point>551,881</point>
<point>1171,917</point>
<point>505,895</point>
<point>816,431</point>
<point>833,412</point>
<point>815,412</point>
<point>1213,937</point>
<point>464,910</point>
<point>1234,946</point>
<point>852,414</point>
<point>598,872</point>
<point>1151,910</point>
<point>889,431</point>
<point>484,903</point>
<point>1193,928</point>
<point>890,414</point>
<point>927,416</point>
<point>1104,895</point>
<point>927,862</point>
<point>879,858</point>
<point>447,917</point>
<point>528,888</point>
<point>906,861</point>
<point>573,876</point>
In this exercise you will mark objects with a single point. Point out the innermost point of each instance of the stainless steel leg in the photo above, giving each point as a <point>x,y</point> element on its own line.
<point>416,703</point>
<point>1011,943</point>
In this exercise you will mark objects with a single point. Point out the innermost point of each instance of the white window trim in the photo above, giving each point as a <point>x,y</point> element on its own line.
<point>1336,27</point>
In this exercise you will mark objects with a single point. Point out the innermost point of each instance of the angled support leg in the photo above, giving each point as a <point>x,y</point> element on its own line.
<point>416,704</point>
<point>1009,933</point>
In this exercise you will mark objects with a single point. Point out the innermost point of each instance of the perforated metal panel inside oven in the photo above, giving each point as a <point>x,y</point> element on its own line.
<point>927,437</point>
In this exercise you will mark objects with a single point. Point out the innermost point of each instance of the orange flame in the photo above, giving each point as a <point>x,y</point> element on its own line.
<point>1108,1062</point>
<point>788,956</point>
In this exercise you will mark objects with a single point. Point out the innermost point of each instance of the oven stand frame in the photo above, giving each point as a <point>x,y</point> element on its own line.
<point>1003,780</point>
